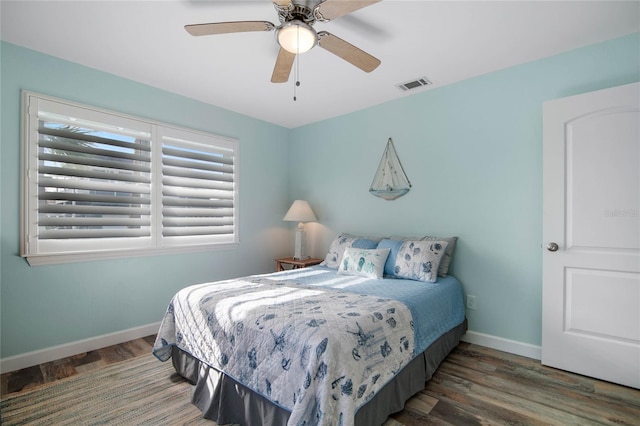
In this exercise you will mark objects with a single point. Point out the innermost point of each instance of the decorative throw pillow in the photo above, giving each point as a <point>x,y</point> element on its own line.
<point>364,263</point>
<point>342,242</point>
<point>419,260</point>
<point>443,269</point>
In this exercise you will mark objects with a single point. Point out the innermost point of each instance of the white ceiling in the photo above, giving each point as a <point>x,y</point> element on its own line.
<point>445,41</point>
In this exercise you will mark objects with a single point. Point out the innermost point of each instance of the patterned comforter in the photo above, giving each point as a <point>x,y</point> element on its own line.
<point>319,352</point>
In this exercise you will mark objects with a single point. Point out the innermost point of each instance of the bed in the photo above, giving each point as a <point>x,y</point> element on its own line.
<point>343,343</point>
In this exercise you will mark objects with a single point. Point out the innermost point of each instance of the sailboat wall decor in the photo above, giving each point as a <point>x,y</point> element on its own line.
<point>390,181</point>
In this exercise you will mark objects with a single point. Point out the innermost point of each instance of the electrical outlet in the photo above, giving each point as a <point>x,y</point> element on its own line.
<point>471,302</point>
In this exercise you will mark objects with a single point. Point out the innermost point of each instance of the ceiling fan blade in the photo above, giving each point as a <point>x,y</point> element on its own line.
<point>347,51</point>
<point>282,3</point>
<point>332,9</point>
<point>284,63</point>
<point>228,27</point>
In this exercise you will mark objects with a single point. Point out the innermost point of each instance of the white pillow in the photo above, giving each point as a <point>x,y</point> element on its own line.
<point>340,243</point>
<point>362,262</point>
<point>419,260</point>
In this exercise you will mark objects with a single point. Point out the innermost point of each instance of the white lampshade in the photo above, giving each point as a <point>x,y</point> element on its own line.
<point>296,37</point>
<point>300,211</point>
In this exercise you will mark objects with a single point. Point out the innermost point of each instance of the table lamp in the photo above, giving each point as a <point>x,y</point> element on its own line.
<point>300,212</point>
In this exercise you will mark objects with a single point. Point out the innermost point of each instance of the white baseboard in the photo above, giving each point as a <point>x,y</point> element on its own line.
<point>53,353</point>
<point>505,345</point>
<point>62,351</point>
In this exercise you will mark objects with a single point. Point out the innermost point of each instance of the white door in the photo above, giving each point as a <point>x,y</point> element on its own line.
<point>591,234</point>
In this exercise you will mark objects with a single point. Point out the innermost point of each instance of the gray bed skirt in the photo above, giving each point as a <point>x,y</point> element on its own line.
<point>222,399</point>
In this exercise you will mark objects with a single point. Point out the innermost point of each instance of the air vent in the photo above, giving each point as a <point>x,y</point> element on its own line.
<point>414,84</point>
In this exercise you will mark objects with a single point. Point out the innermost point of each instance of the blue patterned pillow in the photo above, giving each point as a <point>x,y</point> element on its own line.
<point>342,242</point>
<point>443,270</point>
<point>364,263</point>
<point>418,260</point>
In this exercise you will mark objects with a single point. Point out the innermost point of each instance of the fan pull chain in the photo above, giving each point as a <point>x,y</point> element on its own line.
<point>297,84</point>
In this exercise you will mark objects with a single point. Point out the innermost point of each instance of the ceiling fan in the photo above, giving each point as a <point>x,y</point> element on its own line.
<point>296,34</point>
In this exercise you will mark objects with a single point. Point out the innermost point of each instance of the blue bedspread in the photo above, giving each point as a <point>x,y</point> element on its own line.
<point>436,307</point>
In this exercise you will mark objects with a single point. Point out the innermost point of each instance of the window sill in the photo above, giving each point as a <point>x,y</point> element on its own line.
<point>54,259</point>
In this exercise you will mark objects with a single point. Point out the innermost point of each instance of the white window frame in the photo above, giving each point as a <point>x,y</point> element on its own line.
<point>42,251</point>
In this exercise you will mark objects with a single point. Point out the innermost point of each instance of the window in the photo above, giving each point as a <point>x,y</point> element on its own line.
<point>99,184</point>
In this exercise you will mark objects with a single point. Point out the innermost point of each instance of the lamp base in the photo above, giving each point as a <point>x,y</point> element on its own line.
<point>300,244</point>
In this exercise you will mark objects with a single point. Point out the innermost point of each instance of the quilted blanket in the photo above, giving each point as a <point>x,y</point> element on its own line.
<point>320,353</point>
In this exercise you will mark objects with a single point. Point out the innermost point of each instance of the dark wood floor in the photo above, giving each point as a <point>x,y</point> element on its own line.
<point>37,375</point>
<point>474,386</point>
<point>478,386</point>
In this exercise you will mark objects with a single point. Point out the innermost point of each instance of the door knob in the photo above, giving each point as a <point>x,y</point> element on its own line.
<point>552,247</point>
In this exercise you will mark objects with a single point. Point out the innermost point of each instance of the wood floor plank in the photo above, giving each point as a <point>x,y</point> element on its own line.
<point>138,347</point>
<point>521,405</point>
<point>441,390</point>
<point>456,415</point>
<point>614,392</point>
<point>85,358</point>
<point>579,399</point>
<point>421,403</point>
<point>151,340</point>
<point>573,392</point>
<point>413,418</point>
<point>540,398</point>
<point>27,378</point>
<point>116,353</point>
<point>472,360</point>
<point>56,370</point>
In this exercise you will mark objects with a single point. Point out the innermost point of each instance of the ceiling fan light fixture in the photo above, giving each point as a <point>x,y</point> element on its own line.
<point>296,37</point>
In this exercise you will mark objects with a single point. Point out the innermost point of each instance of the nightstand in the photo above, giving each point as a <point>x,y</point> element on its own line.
<point>295,264</point>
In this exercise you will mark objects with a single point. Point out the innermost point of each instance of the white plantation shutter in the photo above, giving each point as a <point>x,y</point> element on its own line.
<point>100,184</point>
<point>90,180</point>
<point>198,188</point>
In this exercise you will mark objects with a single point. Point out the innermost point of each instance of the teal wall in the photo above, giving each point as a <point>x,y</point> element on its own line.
<point>472,150</point>
<point>473,153</point>
<point>46,306</point>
